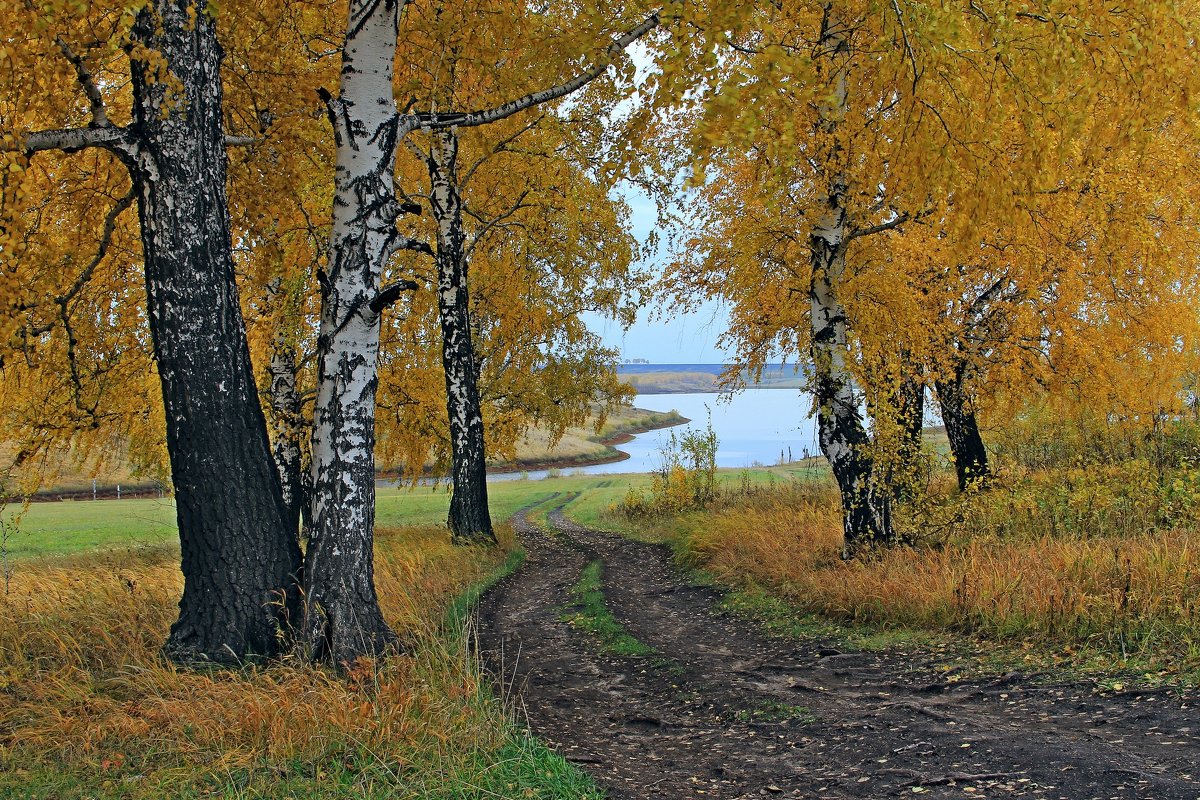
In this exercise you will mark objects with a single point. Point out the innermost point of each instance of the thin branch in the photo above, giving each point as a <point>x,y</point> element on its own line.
<point>500,147</point>
<point>88,83</point>
<point>494,221</point>
<point>233,140</point>
<point>912,57</point>
<point>474,118</point>
<point>893,223</point>
<point>417,152</point>
<point>110,227</point>
<point>64,300</point>
<point>72,361</point>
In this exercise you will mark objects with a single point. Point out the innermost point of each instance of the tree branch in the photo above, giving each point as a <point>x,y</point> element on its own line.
<point>88,83</point>
<point>500,147</point>
<point>64,300</point>
<point>72,140</point>
<point>391,293</point>
<point>234,140</point>
<point>494,221</point>
<point>893,223</point>
<point>912,57</point>
<point>110,227</point>
<point>474,118</point>
<point>406,243</point>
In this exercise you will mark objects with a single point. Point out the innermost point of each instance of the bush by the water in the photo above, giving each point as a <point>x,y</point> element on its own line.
<point>686,477</point>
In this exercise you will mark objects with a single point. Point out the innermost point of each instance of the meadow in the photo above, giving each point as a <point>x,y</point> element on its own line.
<point>1081,567</point>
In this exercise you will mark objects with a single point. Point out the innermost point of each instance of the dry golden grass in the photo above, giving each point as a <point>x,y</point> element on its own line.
<point>1123,592</point>
<point>86,695</point>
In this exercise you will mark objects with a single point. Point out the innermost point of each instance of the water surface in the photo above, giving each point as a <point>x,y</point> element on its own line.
<point>754,427</point>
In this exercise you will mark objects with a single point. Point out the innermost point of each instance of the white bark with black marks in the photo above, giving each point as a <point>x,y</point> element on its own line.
<point>342,617</point>
<point>469,519</point>
<point>289,428</point>
<point>866,506</point>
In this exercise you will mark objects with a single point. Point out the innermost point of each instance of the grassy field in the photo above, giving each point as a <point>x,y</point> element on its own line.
<point>55,530</point>
<point>1080,572</point>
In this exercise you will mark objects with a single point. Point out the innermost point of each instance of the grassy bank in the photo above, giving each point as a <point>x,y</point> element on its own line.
<point>1092,570</point>
<point>66,478</point>
<point>584,445</point>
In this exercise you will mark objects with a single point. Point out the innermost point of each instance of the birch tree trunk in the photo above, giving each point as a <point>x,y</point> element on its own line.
<point>962,429</point>
<point>866,506</point>
<point>240,559</point>
<point>469,520</point>
<point>342,619</point>
<point>911,404</point>
<point>288,426</point>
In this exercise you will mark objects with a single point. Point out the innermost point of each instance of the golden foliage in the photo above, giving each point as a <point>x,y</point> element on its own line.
<point>76,362</point>
<point>1020,191</point>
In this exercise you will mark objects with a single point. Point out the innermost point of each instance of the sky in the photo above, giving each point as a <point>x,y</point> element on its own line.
<point>677,339</point>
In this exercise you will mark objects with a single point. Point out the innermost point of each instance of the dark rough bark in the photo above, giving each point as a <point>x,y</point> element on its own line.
<point>469,520</point>
<point>240,558</point>
<point>962,429</point>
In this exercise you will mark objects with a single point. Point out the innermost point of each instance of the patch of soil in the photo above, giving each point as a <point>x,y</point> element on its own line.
<point>721,710</point>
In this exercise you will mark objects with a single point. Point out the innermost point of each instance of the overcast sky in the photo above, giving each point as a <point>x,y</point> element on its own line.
<point>681,339</point>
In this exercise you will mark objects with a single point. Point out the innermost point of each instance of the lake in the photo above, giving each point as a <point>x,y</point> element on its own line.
<point>754,427</point>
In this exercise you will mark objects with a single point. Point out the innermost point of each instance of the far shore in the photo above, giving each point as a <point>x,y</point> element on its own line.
<point>610,443</point>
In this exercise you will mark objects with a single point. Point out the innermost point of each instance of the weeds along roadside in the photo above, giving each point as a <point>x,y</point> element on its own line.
<point>1089,561</point>
<point>88,709</point>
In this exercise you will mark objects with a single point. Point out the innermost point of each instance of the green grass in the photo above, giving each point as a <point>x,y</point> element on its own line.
<point>441,732</point>
<point>590,614</point>
<point>458,612</point>
<point>524,768</point>
<point>74,526</point>
<point>775,711</point>
<point>784,620</point>
<point>62,528</point>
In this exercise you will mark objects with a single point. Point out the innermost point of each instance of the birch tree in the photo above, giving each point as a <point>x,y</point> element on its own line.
<point>865,122</point>
<point>542,244</point>
<point>240,560</point>
<point>342,619</point>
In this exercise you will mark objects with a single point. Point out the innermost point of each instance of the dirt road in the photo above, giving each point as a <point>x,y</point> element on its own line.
<point>720,710</point>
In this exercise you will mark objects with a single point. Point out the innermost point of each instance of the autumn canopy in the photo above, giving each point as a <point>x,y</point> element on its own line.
<point>264,249</point>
